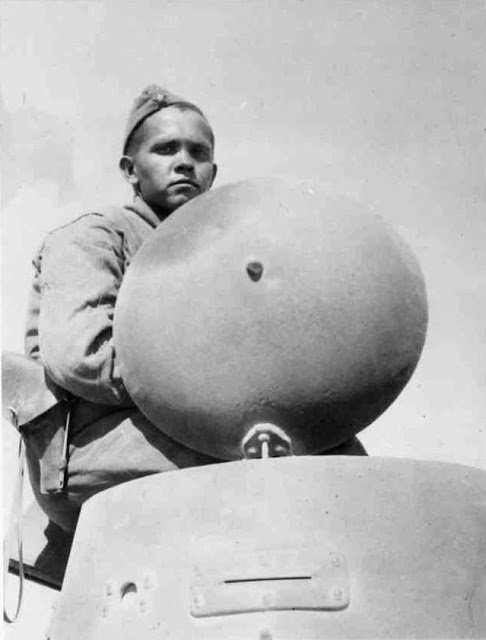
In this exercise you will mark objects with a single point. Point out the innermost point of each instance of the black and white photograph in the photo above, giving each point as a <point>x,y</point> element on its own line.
<point>243,251</point>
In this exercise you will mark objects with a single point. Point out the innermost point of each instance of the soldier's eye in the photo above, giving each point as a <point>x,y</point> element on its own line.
<point>166,148</point>
<point>201,153</point>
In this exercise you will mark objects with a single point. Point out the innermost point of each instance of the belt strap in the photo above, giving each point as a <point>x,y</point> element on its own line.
<point>14,537</point>
<point>48,439</point>
<point>14,532</point>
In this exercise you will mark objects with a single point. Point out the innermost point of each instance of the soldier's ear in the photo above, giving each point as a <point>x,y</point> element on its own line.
<point>127,167</point>
<point>215,171</point>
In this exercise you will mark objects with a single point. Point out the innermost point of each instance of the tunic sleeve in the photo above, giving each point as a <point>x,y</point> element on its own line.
<point>81,267</point>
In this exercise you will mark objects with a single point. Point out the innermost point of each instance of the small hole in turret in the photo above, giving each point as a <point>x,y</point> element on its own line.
<point>129,589</point>
<point>254,270</point>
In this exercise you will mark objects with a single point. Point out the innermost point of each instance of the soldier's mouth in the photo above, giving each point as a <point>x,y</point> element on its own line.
<point>185,183</point>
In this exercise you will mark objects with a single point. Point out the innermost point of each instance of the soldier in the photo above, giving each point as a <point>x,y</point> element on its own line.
<point>168,158</point>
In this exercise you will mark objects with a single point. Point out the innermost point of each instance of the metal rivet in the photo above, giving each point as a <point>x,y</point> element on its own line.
<point>142,606</point>
<point>109,589</point>
<point>105,612</point>
<point>198,601</point>
<point>148,582</point>
<point>266,634</point>
<point>336,561</point>
<point>337,594</point>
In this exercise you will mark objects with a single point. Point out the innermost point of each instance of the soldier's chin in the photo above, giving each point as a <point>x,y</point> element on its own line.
<point>176,200</point>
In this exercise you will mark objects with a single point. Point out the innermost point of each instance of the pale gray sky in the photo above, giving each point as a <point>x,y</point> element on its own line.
<point>383,99</point>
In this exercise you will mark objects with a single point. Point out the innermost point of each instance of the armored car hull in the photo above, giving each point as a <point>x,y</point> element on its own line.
<point>300,547</point>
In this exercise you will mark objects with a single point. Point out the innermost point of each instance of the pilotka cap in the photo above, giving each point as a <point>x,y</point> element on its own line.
<point>152,99</point>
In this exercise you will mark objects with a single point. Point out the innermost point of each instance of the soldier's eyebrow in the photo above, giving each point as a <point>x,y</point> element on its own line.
<point>164,137</point>
<point>169,139</point>
<point>201,144</point>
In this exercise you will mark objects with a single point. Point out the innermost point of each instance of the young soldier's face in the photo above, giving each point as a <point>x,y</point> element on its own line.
<point>174,161</point>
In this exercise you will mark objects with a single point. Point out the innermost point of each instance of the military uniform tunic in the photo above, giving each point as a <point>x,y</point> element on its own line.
<point>78,272</point>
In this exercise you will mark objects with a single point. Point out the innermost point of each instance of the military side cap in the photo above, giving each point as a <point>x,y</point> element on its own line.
<point>152,99</point>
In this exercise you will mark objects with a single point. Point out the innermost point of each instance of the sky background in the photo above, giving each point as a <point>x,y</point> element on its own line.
<point>381,99</point>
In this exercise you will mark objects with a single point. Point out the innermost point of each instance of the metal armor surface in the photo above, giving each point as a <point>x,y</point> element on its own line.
<point>264,301</point>
<point>283,548</point>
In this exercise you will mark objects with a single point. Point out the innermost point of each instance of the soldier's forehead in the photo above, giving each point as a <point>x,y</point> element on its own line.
<point>171,120</point>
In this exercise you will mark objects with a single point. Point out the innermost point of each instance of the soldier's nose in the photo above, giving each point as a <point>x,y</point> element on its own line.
<point>184,159</point>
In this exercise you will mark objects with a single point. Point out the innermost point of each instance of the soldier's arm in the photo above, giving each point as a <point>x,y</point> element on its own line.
<point>80,272</point>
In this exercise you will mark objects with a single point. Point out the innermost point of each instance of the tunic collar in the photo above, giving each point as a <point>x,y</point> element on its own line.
<point>141,208</point>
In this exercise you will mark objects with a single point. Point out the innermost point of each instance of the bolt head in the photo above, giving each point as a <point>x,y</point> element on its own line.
<point>142,606</point>
<point>336,561</point>
<point>263,437</point>
<point>148,581</point>
<point>198,601</point>
<point>338,594</point>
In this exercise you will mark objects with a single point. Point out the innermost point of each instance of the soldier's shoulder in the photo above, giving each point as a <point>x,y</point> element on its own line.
<point>109,217</point>
<point>84,228</point>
